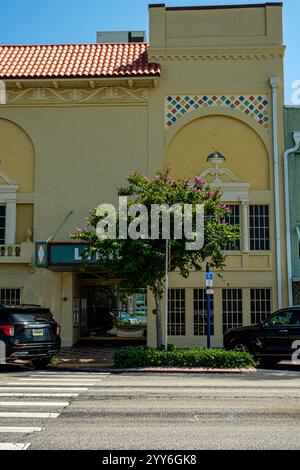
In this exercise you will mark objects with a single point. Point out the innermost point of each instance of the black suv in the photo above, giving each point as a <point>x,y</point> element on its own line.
<point>271,340</point>
<point>29,332</point>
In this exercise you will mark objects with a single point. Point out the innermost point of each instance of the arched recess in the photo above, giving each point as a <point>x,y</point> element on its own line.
<point>199,134</point>
<point>17,168</point>
<point>17,155</point>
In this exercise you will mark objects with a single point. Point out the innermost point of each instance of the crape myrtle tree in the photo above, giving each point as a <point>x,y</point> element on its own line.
<point>140,263</point>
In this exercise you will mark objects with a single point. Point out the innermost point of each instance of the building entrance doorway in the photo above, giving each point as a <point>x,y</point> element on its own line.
<point>104,313</point>
<point>98,305</point>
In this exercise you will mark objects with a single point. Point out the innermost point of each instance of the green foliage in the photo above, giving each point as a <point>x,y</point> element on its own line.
<point>171,347</point>
<point>141,263</point>
<point>127,325</point>
<point>130,357</point>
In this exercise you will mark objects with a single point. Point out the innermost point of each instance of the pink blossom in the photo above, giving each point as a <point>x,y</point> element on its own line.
<point>199,180</point>
<point>169,180</point>
<point>197,190</point>
<point>225,208</point>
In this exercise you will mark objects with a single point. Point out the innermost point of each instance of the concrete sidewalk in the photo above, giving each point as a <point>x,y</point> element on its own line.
<point>82,357</point>
<point>93,353</point>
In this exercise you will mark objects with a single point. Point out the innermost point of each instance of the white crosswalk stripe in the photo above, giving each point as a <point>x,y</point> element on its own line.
<point>19,429</point>
<point>40,385</point>
<point>46,389</point>
<point>40,395</point>
<point>22,414</point>
<point>45,378</point>
<point>55,382</point>
<point>48,384</point>
<point>14,446</point>
<point>71,375</point>
<point>44,404</point>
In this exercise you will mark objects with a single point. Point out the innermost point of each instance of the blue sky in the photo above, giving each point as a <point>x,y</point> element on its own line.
<point>63,21</point>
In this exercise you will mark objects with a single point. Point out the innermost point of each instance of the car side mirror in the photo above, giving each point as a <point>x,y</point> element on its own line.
<point>261,324</point>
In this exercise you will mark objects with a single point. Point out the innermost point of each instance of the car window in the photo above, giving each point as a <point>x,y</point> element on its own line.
<point>280,319</point>
<point>30,316</point>
<point>295,320</point>
<point>44,316</point>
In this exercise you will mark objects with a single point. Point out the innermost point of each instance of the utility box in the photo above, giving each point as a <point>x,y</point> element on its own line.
<point>120,36</point>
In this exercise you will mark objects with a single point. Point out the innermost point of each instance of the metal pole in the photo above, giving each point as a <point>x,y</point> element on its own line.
<point>166,294</point>
<point>208,313</point>
<point>274,82</point>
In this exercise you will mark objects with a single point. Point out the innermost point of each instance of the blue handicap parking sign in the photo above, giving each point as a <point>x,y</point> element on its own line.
<point>209,276</point>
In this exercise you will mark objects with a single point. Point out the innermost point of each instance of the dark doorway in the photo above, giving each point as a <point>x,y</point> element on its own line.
<point>101,303</point>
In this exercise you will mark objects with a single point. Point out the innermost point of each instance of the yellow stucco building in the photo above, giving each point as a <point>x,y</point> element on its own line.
<point>79,118</point>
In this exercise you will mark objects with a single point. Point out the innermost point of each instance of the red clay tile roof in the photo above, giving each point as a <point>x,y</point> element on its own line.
<point>77,61</point>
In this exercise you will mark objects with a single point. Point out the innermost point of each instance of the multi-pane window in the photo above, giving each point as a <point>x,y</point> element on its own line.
<point>233,219</point>
<point>200,313</point>
<point>2,225</point>
<point>232,308</point>
<point>259,227</point>
<point>10,296</point>
<point>260,300</point>
<point>176,317</point>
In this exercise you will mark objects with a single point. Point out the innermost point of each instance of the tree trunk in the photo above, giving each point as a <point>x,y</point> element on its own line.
<point>159,328</point>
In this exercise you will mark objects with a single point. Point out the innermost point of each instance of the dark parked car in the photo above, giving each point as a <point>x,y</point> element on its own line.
<point>29,332</point>
<point>271,340</point>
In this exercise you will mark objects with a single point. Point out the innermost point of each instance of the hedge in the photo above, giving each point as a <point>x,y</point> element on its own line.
<point>130,357</point>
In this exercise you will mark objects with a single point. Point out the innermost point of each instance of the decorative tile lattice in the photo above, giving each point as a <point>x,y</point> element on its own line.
<point>252,106</point>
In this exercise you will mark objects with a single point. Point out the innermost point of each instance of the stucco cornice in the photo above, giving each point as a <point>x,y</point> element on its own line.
<point>99,95</point>
<point>218,54</point>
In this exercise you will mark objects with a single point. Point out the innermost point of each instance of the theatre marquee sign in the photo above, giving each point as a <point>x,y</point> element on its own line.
<point>59,255</point>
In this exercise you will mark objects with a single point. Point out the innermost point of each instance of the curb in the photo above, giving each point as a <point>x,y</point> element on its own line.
<point>161,370</point>
<point>193,370</point>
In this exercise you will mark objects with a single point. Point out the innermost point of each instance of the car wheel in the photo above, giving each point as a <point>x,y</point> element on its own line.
<point>240,346</point>
<point>41,363</point>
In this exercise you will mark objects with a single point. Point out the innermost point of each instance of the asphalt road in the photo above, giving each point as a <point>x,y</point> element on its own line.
<point>77,410</point>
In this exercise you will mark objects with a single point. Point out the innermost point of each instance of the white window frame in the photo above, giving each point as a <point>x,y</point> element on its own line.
<point>232,308</point>
<point>240,226</point>
<point>255,250</point>
<point>10,289</point>
<point>260,314</point>
<point>177,300</point>
<point>4,226</point>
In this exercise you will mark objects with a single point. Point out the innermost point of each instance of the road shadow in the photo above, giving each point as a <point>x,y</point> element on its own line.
<point>14,368</point>
<point>282,366</point>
